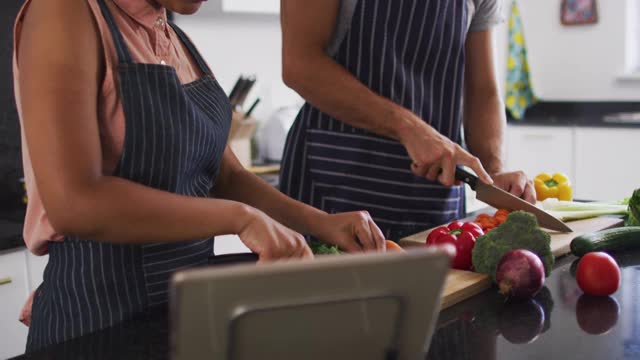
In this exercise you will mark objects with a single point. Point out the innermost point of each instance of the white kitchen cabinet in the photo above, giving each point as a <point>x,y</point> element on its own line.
<point>537,149</point>
<point>14,290</point>
<point>606,163</point>
<point>254,6</point>
<point>238,7</point>
<point>35,266</point>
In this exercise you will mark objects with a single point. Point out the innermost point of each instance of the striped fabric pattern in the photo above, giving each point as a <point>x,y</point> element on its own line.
<point>175,137</point>
<point>409,51</point>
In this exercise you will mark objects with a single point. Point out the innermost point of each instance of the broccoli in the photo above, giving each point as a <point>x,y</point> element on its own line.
<point>320,248</point>
<point>634,209</point>
<point>520,231</point>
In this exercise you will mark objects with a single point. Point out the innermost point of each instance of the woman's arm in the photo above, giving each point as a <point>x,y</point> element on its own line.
<point>354,231</point>
<point>60,61</point>
<point>484,115</point>
<point>307,28</point>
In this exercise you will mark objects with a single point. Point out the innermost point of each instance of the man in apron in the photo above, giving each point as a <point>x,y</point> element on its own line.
<point>382,127</point>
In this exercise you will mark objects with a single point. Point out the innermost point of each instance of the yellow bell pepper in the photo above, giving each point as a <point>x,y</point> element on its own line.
<point>556,186</point>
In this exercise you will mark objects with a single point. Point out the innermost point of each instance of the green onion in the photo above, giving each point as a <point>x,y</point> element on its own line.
<point>573,210</point>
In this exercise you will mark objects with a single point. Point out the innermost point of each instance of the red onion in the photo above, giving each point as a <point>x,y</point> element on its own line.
<point>520,274</point>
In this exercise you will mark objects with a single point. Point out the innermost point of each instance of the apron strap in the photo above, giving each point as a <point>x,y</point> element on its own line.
<point>124,56</point>
<point>192,49</point>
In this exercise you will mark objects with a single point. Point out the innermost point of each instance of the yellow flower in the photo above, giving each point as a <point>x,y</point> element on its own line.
<point>518,38</point>
<point>523,102</point>
<point>511,101</point>
<point>511,62</point>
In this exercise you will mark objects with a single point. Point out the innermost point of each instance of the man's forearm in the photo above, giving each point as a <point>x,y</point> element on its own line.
<point>331,88</point>
<point>484,128</point>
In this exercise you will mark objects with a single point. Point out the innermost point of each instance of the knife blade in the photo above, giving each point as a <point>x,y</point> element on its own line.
<point>501,199</point>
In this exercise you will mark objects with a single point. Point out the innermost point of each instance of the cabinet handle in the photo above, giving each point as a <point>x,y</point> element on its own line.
<point>5,281</point>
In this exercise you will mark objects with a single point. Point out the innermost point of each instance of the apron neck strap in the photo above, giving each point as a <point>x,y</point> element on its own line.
<point>124,56</point>
<point>192,49</point>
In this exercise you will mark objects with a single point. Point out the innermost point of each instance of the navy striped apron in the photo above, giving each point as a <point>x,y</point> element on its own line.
<point>409,51</point>
<point>174,141</point>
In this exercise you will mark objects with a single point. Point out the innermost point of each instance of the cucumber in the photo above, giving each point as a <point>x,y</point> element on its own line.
<point>616,239</point>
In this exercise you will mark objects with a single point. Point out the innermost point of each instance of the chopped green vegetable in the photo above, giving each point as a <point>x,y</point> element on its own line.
<point>572,210</point>
<point>634,209</point>
<point>520,231</point>
<point>320,248</point>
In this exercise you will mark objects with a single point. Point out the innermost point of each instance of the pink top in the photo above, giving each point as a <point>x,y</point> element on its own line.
<point>144,27</point>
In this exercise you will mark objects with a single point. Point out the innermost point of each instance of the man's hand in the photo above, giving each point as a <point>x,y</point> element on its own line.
<point>434,156</point>
<point>351,231</point>
<point>25,313</point>
<point>516,183</point>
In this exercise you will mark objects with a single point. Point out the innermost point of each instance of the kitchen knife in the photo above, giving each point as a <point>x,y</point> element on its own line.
<point>501,199</point>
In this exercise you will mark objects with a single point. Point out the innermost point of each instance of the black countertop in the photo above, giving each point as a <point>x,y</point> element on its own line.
<point>580,114</point>
<point>560,323</point>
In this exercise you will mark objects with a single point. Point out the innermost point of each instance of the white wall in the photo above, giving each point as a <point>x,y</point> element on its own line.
<point>567,62</point>
<point>575,62</point>
<point>235,44</point>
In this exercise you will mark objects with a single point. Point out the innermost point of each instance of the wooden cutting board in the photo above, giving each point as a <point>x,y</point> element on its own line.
<point>461,285</point>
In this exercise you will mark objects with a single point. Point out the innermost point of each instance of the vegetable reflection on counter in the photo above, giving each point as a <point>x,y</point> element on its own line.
<point>518,321</point>
<point>597,315</point>
<point>521,322</point>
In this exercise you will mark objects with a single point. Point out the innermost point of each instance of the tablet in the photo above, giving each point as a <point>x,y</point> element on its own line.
<point>365,306</point>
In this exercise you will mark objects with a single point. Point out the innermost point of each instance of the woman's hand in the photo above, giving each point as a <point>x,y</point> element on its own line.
<point>270,239</point>
<point>434,155</point>
<point>352,231</point>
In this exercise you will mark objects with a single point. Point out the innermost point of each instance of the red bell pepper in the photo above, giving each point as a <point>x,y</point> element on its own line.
<point>462,236</point>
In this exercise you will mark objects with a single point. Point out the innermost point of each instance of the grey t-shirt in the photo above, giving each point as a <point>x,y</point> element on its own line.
<point>481,15</point>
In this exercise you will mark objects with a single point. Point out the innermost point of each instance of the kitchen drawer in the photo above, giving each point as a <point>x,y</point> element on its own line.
<point>36,265</point>
<point>605,163</point>
<point>13,293</point>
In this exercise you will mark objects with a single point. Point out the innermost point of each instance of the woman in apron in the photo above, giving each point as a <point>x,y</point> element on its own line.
<point>128,171</point>
<point>381,129</point>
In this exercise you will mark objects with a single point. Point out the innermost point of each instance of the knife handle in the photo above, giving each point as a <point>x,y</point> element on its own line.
<point>234,90</point>
<point>466,177</point>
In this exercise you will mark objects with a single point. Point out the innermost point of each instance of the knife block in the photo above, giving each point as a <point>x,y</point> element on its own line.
<point>240,135</point>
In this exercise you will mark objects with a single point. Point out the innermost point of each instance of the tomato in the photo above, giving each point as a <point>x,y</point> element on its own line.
<point>598,274</point>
